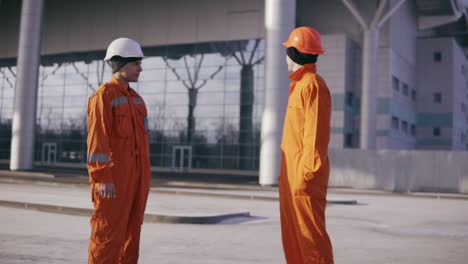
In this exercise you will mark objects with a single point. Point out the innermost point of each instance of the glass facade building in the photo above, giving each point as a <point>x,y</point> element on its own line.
<point>204,100</point>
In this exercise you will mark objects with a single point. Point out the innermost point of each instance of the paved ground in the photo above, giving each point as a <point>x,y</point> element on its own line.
<point>380,229</point>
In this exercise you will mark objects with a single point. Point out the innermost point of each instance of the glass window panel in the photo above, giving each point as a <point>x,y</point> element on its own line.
<point>153,63</point>
<point>74,118</point>
<point>76,90</point>
<point>80,66</point>
<point>52,91</point>
<point>211,72</point>
<point>75,102</point>
<point>73,78</point>
<point>216,114</point>
<point>52,80</point>
<point>50,119</point>
<point>233,72</point>
<point>177,99</point>
<point>172,126</point>
<point>208,111</point>
<point>213,59</point>
<point>232,85</point>
<point>176,63</point>
<point>259,71</point>
<point>175,111</point>
<point>7,102</point>
<point>6,113</point>
<point>213,86</point>
<point>152,75</point>
<point>210,98</point>
<point>151,87</point>
<point>232,111</point>
<point>8,92</point>
<point>152,99</point>
<point>52,102</point>
<point>7,82</point>
<point>232,98</point>
<point>51,70</point>
<point>175,87</point>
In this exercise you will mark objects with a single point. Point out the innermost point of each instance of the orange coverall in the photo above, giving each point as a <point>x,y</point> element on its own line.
<point>305,169</point>
<point>118,152</point>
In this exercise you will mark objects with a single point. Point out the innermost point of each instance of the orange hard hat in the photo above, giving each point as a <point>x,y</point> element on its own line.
<point>306,40</point>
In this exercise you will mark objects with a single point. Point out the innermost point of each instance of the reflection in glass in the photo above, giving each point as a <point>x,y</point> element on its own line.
<point>207,95</point>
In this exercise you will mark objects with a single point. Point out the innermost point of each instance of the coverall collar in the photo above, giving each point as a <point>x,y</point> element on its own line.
<point>297,75</point>
<point>122,88</point>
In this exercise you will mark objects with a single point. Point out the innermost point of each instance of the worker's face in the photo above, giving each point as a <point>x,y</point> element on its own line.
<point>290,64</point>
<point>131,71</point>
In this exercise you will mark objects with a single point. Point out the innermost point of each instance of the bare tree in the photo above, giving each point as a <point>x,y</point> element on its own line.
<point>42,80</point>
<point>11,71</point>
<point>193,84</point>
<point>100,67</point>
<point>52,118</point>
<point>158,118</point>
<point>5,77</point>
<point>246,103</point>
<point>45,76</point>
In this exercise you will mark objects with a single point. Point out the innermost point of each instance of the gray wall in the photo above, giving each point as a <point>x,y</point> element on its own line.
<point>400,170</point>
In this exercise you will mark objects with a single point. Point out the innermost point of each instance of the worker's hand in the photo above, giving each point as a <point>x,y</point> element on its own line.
<point>107,190</point>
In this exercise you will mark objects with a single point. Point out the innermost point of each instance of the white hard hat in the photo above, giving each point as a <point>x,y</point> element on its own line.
<point>125,48</point>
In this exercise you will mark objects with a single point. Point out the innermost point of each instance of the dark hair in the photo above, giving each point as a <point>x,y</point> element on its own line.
<point>118,62</point>
<point>301,58</point>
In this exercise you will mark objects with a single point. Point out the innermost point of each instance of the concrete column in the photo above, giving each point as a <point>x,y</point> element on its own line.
<point>370,72</point>
<point>280,16</point>
<point>24,116</point>
<point>369,89</point>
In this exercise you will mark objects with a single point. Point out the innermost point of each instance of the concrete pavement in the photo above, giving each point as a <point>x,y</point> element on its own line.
<point>379,229</point>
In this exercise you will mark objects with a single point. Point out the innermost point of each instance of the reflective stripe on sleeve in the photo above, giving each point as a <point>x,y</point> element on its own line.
<point>138,100</point>
<point>119,101</point>
<point>145,120</point>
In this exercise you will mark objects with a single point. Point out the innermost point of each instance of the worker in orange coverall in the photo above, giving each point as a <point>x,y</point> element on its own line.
<point>118,159</point>
<point>305,167</point>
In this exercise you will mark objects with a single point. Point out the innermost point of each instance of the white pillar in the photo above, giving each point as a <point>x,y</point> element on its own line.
<point>24,116</point>
<point>369,89</point>
<point>370,72</point>
<point>280,17</point>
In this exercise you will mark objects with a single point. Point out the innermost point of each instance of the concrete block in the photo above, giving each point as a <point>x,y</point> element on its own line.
<point>353,168</point>
<point>449,170</point>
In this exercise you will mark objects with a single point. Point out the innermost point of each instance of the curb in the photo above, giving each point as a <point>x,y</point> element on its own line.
<point>177,192</point>
<point>149,218</point>
<point>28,175</point>
<point>201,220</point>
<point>452,196</point>
<point>47,178</point>
<point>81,180</point>
<point>219,195</point>
<point>244,196</point>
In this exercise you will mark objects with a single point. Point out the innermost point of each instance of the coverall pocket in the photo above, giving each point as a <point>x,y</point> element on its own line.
<point>123,124</point>
<point>142,120</point>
